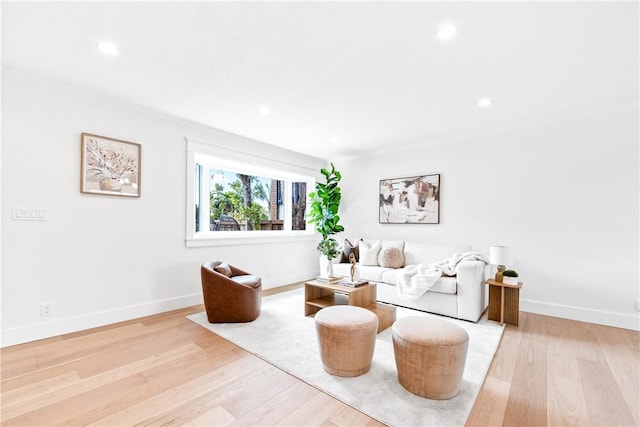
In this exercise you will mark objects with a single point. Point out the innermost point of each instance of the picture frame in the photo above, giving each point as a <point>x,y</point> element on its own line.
<point>109,166</point>
<point>410,200</point>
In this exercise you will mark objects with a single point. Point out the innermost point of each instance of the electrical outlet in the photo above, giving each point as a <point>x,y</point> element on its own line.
<point>638,305</point>
<point>45,309</point>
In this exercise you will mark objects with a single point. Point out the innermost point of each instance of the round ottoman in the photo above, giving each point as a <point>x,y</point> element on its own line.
<point>346,337</point>
<point>430,356</point>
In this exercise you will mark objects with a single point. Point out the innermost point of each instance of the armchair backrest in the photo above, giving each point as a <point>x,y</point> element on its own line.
<point>222,271</point>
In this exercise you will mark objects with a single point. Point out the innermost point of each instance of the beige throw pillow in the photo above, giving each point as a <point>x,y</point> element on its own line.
<point>391,258</point>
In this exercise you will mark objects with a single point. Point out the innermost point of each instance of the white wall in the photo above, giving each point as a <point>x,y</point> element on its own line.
<point>98,260</point>
<point>563,195</point>
<point>101,259</point>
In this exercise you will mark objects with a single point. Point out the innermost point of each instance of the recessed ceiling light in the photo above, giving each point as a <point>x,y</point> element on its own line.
<point>264,111</point>
<point>485,102</point>
<point>107,48</point>
<point>447,31</point>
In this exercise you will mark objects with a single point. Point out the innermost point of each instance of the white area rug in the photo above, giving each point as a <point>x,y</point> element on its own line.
<point>284,337</point>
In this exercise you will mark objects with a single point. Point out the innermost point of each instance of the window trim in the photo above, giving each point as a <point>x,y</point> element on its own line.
<point>225,158</point>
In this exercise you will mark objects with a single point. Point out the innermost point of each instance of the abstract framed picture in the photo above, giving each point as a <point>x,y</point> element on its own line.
<point>411,200</point>
<point>109,166</point>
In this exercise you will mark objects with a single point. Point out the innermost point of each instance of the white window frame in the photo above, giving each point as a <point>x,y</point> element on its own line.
<point>224,158</point>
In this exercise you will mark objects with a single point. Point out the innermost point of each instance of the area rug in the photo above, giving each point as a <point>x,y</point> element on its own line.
<point>284,337</point>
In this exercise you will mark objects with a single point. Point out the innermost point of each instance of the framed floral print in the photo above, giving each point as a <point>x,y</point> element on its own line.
<point>109,166</point>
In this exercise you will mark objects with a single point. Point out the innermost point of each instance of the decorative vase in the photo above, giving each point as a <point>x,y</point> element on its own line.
<point>110,185</point>
<point>326,267</point>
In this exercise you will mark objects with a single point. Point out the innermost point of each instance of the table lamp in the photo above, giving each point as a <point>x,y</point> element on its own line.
<point>500,256</point>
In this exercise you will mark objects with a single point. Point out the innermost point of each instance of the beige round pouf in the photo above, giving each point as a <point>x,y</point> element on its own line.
<point>430,356</point>
<point>347,338</point>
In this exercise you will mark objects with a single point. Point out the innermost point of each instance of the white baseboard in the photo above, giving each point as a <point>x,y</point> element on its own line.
<point>287,279</point>
<point>51,328</point>
<point>41,330</point>
<point>618,320</point>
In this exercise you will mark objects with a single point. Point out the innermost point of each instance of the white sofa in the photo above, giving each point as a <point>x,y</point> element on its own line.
<point>461,296</point>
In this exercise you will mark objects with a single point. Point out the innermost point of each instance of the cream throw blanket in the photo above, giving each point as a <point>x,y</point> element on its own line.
<point>415,280</point>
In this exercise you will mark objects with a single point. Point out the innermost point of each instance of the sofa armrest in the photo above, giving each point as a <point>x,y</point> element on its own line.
<point>471,290</point>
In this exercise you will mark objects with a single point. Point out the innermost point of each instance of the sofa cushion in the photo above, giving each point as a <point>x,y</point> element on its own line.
<point>342,270</point>
<point>248,280</point>
<point>348,248</point>
<point>373,273</point>
<point>367,272</point>
<point>444,285</point>
<point>425,253</point>
<point>391,257</point>
<point>390,276</point>
<point>369,252</point>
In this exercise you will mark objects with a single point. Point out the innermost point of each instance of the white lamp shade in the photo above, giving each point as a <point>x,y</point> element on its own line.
<point>500,255</point>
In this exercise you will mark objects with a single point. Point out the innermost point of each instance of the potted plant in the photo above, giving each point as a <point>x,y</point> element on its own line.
<point>510,277</point>
<point>325,202</point>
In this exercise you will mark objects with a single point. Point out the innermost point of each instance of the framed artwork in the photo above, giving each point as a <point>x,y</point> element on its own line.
<point>109,166</point>
<point>411,200</point>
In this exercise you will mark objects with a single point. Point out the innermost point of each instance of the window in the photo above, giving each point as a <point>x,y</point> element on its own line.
<point>235,199</point>
<point>241,202</point>
<point>198,201</point>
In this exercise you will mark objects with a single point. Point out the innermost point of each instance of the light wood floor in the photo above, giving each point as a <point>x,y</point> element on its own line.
<point>166,370</point>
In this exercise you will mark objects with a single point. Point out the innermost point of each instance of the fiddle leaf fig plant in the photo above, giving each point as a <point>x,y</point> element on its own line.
<point>325,202</point>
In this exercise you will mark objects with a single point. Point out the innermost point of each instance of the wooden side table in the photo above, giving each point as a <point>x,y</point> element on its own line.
<point>504,302</point>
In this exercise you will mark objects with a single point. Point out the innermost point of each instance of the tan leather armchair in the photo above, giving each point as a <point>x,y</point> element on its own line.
<point>230,294</point>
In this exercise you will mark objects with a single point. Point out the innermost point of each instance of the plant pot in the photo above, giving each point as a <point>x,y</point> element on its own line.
<point>509,280</point>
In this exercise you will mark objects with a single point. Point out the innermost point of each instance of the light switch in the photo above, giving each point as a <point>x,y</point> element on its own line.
<point>29,214</point>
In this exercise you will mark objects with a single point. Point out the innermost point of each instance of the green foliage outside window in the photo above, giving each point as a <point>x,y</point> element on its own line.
<point>233,201</point>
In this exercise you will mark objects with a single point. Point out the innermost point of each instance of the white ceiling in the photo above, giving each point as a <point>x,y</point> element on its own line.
<point>339,78</point>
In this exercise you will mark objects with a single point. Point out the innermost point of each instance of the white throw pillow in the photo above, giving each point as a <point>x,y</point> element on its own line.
<point>369,252</point>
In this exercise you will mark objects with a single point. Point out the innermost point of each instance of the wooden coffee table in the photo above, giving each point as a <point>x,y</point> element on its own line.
<point>318,295</point>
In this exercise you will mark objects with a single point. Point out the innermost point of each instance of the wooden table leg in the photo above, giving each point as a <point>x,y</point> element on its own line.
<point>501,304</point>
